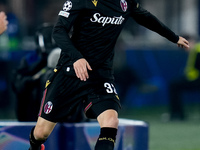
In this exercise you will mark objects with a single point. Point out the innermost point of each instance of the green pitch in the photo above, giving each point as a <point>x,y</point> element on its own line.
<point>167,135</point>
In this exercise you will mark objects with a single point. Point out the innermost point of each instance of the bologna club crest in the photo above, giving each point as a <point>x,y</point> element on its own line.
<point>48,107</point>
<point>124,5</point>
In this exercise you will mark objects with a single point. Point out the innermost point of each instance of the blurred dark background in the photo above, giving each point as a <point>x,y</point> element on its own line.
<point>145,66</point>
<point>145,63</point>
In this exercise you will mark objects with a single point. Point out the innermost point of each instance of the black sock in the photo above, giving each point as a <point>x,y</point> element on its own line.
<point>34,144</point>
<point>106,140</point>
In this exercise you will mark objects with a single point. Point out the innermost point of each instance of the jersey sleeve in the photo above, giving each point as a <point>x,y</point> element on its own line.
<point>66,19</point>
<point>146,19</point>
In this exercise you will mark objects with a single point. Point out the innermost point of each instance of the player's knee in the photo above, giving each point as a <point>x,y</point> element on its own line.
<point>111,121</point>
<point>41,134</point>
<point>108,118</point>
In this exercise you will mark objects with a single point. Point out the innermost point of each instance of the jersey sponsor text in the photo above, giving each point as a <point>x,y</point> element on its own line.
<point>107,20</point>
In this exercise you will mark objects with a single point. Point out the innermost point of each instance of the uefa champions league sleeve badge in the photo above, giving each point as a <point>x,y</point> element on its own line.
<point>67,6</point>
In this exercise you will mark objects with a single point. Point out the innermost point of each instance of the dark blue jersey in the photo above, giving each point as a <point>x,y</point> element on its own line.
<point>96,27</point>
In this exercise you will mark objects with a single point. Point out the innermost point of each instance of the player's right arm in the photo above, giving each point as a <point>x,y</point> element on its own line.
<point>81,68</point>
<point>66,19</point>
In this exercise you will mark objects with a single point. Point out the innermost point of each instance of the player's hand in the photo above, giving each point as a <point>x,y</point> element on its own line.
<point>183,43</point>
<point>81,68</point>
<point>3,22</point>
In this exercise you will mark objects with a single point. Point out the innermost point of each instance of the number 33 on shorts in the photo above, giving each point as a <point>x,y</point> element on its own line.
<point>110,88</point>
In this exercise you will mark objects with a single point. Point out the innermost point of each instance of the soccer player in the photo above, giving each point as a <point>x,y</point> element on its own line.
<point>84,71</point>
<point>3,22</point>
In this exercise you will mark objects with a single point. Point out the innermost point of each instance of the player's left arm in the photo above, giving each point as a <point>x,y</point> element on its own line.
<point>148,20</point>
<point>183,43</point>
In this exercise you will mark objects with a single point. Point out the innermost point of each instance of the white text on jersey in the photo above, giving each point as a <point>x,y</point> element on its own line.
<point>107,20</point>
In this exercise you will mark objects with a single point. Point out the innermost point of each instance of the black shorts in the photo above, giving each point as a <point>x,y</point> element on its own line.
<point>64,92</point>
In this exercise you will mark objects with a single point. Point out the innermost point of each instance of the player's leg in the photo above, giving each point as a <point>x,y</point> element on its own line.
<point>108,118</point>
<point>103,104</point>
<point>108,121</point>
<point>40,133</point>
